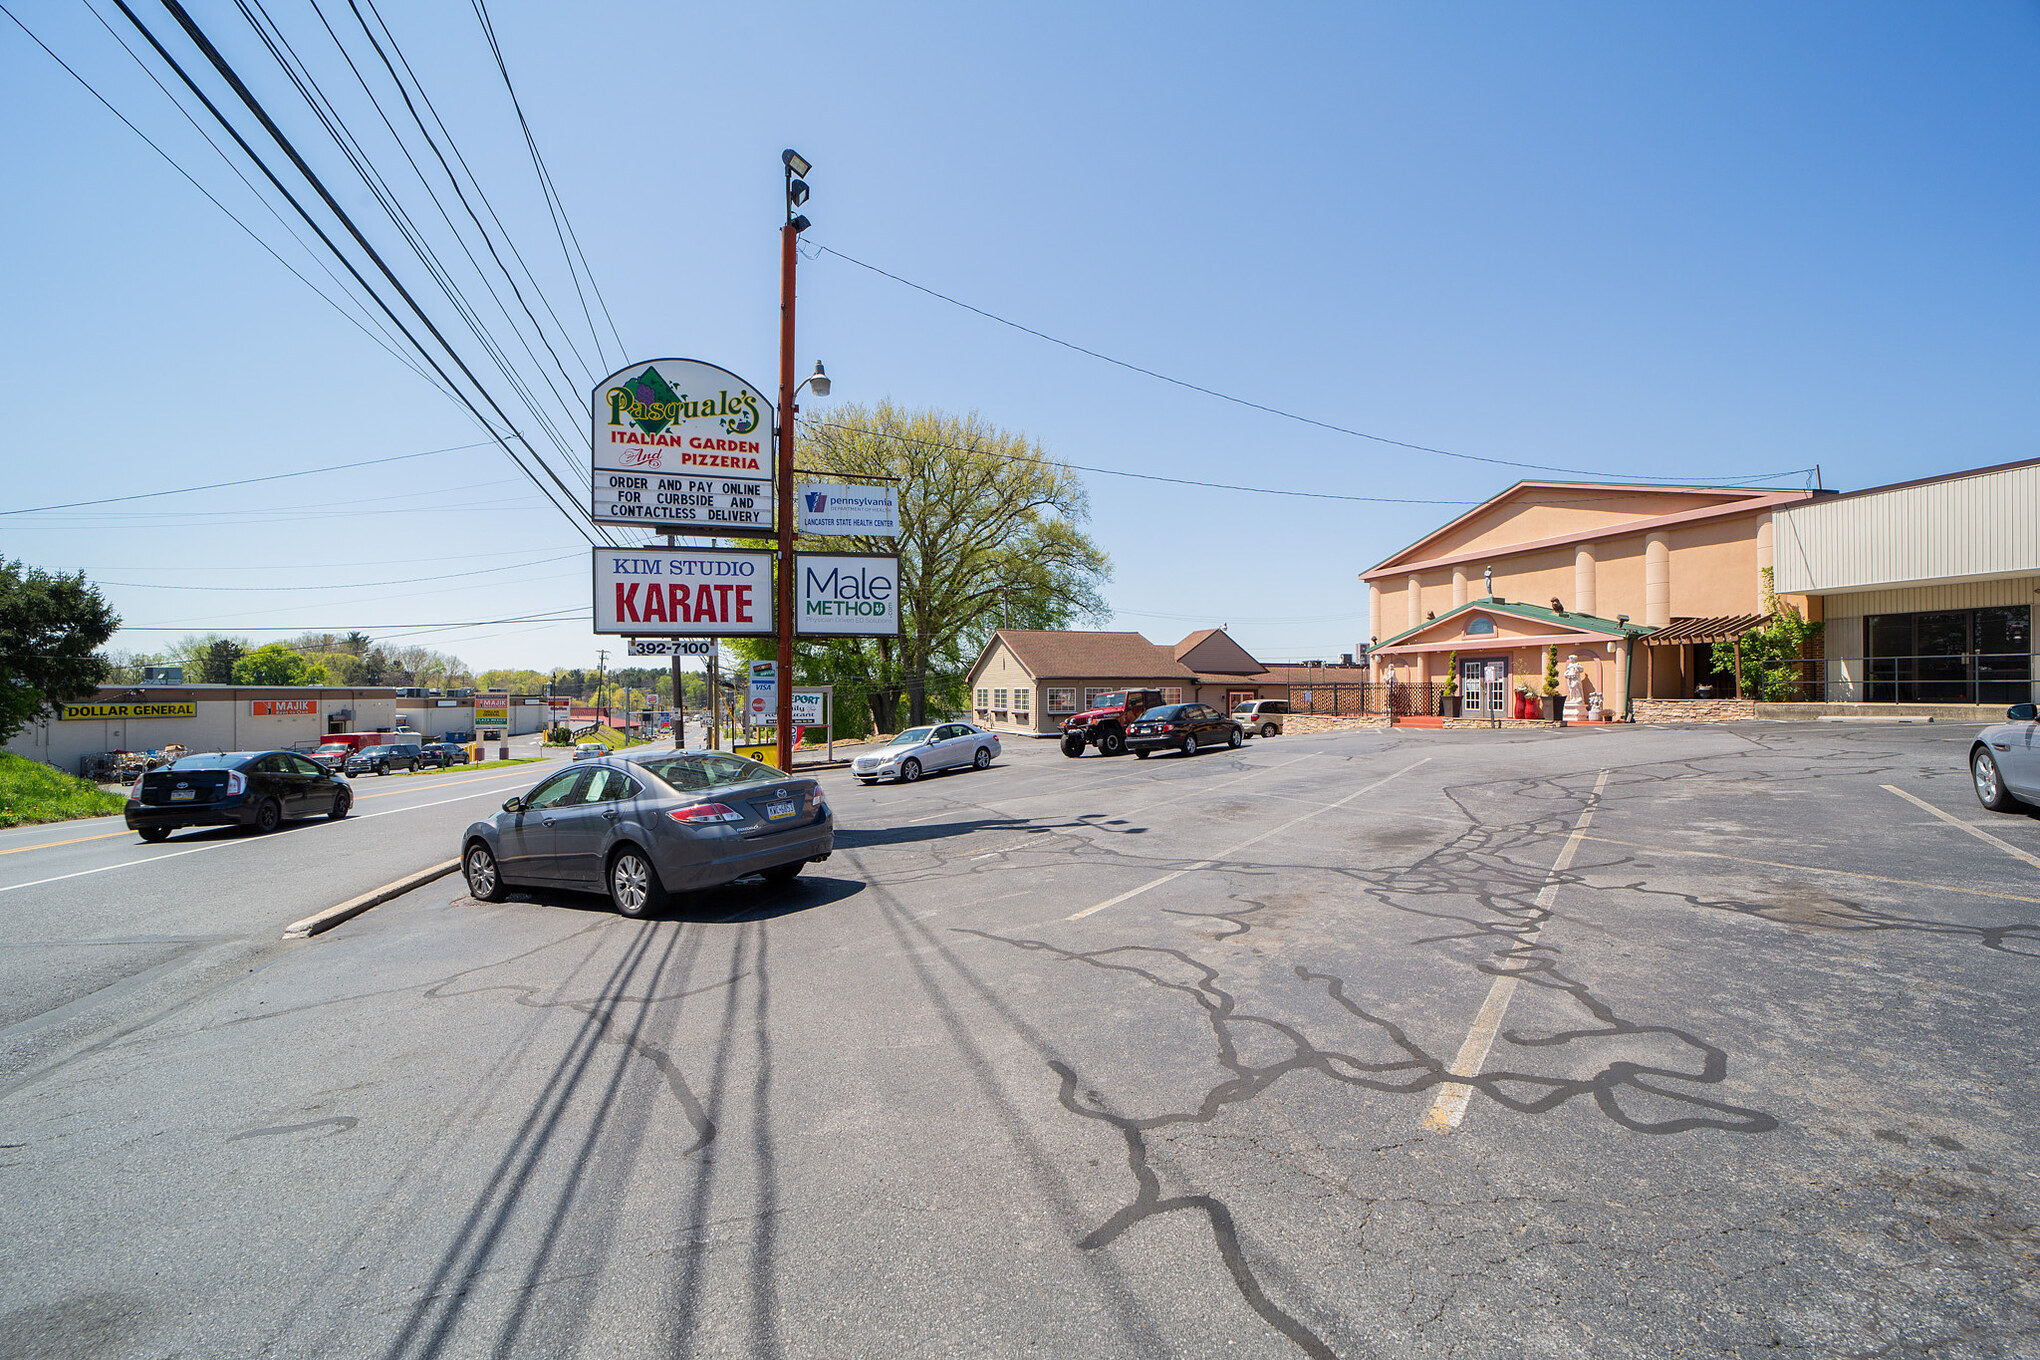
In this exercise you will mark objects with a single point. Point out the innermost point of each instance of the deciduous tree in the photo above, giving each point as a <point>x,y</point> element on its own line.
<point>51,627</point>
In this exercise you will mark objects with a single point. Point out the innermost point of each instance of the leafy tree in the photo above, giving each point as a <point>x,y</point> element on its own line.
<point>990,536</point>
<point>51,626</point>
<point>277,664</point>
<point>356,643</point>
<point>1784,637</point>
<point>217,663</point>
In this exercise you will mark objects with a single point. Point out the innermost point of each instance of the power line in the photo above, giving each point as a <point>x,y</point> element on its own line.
<point>385,629</point>
<point>226,71</point>
<point>301,587</point>
<point>246,481</point>
<point>1259,406</point>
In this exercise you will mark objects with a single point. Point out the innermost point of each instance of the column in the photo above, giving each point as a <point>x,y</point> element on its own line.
<point>1765,558</point>
<point>1416,591</point>
<point>1585,599</point>
<point>1657,581</point>
<point>1458,586</point>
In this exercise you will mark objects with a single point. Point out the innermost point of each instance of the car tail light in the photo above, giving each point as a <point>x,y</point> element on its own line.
<point>236,784</point>
<point>814,797</point>
<point>706,812</point>
<point>1168,727</point>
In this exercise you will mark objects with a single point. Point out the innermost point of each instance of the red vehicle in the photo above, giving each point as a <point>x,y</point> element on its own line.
<point>1104,725</point>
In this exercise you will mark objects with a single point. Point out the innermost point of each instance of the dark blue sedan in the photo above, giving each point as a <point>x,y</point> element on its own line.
<point>262,789</point>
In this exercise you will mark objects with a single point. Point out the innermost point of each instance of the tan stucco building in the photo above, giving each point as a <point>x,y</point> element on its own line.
<point>1588,568</point>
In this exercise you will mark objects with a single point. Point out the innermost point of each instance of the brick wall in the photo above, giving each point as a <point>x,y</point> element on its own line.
<point>1695,710</point>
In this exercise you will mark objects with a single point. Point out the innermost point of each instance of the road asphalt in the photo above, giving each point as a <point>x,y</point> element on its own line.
<point>1602,1042</point>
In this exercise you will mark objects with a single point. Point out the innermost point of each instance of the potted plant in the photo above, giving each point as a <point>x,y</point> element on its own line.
<point>1522,709</point>
<point>1448,701</point>
<point>1554,702</point>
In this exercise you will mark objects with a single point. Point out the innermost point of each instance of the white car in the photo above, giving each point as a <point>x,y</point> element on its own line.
<point>1262,717</point>
<point>924,750</point>
<point>590,750</point>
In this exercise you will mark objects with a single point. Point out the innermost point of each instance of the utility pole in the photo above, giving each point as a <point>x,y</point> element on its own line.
<point>789,252</point>
<point>601,676</point>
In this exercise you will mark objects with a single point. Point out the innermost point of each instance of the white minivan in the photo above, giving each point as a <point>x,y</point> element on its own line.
<point>1262,717</point>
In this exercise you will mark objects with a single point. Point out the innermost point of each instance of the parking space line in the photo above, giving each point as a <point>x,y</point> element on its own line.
<point>223,845</point>
<point>1231,850</point>
<point>1449,1107</point>
<point>1978,832</point>
<point>1813,869</point>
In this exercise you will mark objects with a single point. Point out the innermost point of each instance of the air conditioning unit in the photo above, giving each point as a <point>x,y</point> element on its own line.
<point>162,675</point>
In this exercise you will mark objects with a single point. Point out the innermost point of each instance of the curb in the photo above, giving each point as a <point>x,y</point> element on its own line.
<point>354,906</point>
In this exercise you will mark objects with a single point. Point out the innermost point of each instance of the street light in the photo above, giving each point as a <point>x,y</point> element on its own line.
<point>819,380</point>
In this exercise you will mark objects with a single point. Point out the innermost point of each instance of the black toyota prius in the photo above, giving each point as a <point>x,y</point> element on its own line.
<point>262,789</point>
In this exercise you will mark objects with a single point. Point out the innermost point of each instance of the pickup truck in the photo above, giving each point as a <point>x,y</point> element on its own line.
<point>1104,724</point>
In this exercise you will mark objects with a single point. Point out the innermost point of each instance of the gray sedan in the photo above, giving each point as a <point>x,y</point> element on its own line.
<point>2004,762</point>
<point>648,825</point>
<point>924,750</point>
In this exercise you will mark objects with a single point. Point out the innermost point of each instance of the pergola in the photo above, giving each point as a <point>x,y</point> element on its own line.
<point>1691,632</point>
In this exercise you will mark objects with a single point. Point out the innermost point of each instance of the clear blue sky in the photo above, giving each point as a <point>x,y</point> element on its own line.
<point>1699,241</point>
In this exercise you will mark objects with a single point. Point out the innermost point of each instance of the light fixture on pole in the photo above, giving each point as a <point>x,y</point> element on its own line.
<point>797,168</point>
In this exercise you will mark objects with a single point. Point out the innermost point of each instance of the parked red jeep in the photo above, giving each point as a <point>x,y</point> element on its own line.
<point>1105,725</point>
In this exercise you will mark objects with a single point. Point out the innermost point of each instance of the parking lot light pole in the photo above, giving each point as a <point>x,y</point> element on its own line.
<point>796,166</point>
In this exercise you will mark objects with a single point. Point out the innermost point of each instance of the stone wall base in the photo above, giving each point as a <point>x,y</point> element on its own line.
<point>1695,710</point>
<point>1304,722</point>
<point>1966,713</point>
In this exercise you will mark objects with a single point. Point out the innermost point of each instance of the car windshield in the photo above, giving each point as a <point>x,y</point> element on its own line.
<point>692,773</point>
<point>1109,701</point>
<point>218,760</point>
<point>1164,713</point>
<point>913,736</point>
<point>330,748</point>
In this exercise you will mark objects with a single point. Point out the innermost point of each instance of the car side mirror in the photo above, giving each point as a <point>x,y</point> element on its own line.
<point>513,804</point>
<point>2022,713</point>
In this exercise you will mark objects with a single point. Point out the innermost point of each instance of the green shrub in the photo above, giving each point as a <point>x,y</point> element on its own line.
<point>33,792</point>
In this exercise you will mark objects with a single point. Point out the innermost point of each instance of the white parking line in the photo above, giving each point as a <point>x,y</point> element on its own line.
<point>1959,825</point>
<point>224,845</point>
<point>1450,1105</point>
<point>1231,850</point>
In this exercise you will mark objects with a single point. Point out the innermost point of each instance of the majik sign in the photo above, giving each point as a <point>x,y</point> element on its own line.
<point>845,595</point>
<point>696,592</point>
<point>684,443</point>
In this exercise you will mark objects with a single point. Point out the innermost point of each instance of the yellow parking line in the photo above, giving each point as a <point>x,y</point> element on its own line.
<point>46,845</point>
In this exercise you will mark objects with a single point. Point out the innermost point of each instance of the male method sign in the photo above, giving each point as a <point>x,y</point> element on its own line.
<point>683,443</point>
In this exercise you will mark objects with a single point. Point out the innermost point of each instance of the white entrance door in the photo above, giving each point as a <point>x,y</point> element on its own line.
<point>1483,685</point>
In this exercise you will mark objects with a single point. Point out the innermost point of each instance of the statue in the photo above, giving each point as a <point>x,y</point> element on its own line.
<point>1575,680</point>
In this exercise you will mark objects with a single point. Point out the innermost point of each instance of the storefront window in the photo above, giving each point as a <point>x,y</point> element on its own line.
<point>1061,700</point>
<point>1950,656</point>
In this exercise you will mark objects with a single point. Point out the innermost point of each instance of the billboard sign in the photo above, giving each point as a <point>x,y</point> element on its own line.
<point>846,595</point>
<point>641,646</point>
<point>702,592</point>
<point>841,508</point>
<point>680,442</point>
<point>81,712</point>
<point>492,713</point>
<point>281,708</point>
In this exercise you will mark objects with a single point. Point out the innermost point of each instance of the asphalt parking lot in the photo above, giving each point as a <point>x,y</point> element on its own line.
<point>1614,1042</point>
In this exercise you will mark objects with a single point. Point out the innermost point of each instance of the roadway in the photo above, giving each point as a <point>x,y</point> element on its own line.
<point>1620,1042</point>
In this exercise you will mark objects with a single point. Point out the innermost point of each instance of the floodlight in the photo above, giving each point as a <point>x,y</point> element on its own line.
<point>800,224</point>
<point>795,162</point>
<point>796,192</point>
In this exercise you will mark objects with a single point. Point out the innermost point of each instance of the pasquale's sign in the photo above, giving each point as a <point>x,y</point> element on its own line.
<point>78,712</point>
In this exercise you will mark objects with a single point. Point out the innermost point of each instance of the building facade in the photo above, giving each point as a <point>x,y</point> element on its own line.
<point>1593,569</point>
<point>1029,680</point>
<point>1925,589</point>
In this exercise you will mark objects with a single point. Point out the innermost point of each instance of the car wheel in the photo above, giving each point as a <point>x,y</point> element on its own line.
<point>1990,788</point>
<point>269,816</point>
<point>1112,743</point>
<point>984,757</point>
<point>484,880</point>
<point>633,883</point>
<point>910,770</point>
<point>343,803</point>
<point>1267,729</point>
<point>152,834</point>
<point>1142,755</point>
<point>784,873</point>
<point>1189,746</point>
<point>1073,746</point>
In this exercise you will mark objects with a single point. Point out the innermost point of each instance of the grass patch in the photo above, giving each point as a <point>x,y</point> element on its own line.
<point>32,792</point>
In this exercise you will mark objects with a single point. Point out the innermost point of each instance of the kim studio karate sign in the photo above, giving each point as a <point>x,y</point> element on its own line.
<point>682,446</point>
<point>692,592</point>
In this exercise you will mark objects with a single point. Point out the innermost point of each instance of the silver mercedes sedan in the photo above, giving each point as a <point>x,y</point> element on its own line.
<point>644,826</point>
<point>925,750</point>
<point>2004,761</point>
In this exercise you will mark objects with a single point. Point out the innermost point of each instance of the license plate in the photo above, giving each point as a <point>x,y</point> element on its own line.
<point>183,795</point>
<point>775,811</point>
